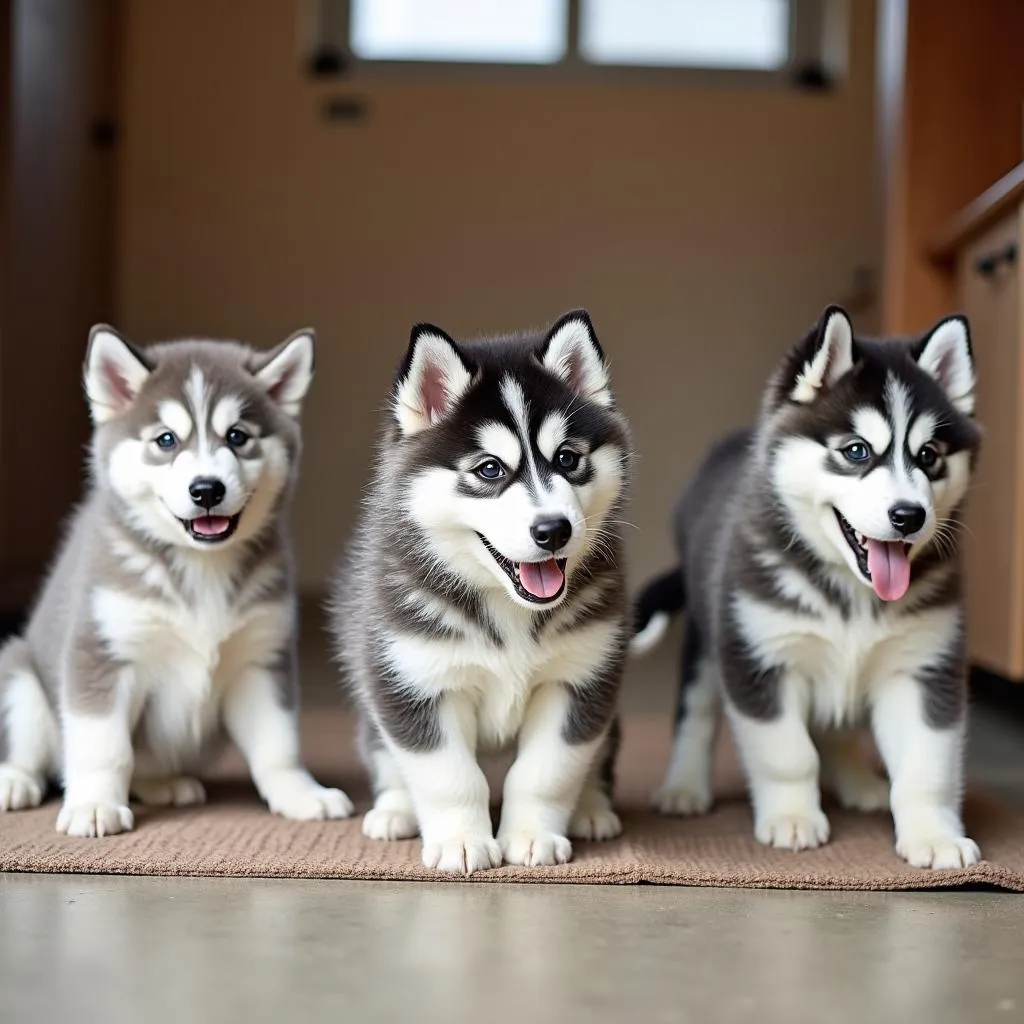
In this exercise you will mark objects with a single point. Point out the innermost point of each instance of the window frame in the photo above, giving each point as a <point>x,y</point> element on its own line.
<point>812,49</point>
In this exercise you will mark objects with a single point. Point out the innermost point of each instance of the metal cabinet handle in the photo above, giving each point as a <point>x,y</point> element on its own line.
<point>988,264</point>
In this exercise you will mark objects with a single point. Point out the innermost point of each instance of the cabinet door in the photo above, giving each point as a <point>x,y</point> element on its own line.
<point>993,549</point>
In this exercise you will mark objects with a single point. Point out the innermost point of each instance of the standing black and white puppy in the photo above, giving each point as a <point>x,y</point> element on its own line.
<point>169,615</point>
<point>819,567</point>
<point>482,601</point>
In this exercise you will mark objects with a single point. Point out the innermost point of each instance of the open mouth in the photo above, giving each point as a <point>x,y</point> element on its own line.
<point>211,529</point>
<point>537,582</point>
<point>885,564</point>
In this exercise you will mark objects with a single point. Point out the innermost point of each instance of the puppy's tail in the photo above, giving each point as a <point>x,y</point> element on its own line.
<point>661,599</point>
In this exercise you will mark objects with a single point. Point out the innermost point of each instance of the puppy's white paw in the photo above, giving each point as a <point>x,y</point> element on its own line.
<point>462,855</point>
<point>92,820</point>
<point>535,849</point>
<point>685,800</point>
<point>595,823</point>
<point>388,823</point>
<point>938,851</point>
<point>294,793</point>
<point>18,789</point>
<point>793,831</point>
<point>863,792</point>
<point>177,791</point>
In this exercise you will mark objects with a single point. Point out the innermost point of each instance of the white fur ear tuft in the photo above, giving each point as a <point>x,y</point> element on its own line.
<point>114,373</point>
<point>571,351</point>
<point>832,357</point>
<point>287,371</point>
<point>433,377</point>
<point>946,356</point>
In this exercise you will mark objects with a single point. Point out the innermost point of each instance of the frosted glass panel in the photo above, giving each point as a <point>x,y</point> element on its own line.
<point>486,31</point>
<point>686,33</point>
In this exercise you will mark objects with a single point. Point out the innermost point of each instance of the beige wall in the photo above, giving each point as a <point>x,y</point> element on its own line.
<point>703,226</point>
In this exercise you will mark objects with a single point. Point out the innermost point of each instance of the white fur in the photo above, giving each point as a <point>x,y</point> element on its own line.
<point>836,672</point>
<point>288,375</point>
<point>687,785</point>
<point>176,418</point>
<point>926,769</point>
<point>267,734</point>
<point>450,520</point>
<point>572,354</point>
<point>651,635</point>
<point>871,426</point>
<point>113,374</point>
<point>947,357</point>
<point>433,357</point>
<point>497,440</point>
<point>491,697</point>
<point>811,493</point>
<point>832,359</point>
<point>33,742</point>
<point>226,414</point>
<point>97,765</point>
<point>552,434</point>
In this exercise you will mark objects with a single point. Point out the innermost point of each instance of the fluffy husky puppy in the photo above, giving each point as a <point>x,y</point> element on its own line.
<point>482,600</point>
<point>170,610</point>
<point>822,585</point>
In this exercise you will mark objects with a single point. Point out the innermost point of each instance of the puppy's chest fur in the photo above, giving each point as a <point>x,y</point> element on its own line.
<point>840,658</point>
<point>498,678</point>
<point>185,637</point>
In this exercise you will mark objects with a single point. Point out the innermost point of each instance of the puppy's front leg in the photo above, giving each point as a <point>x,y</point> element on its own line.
<point>543,785</point>
<point>98,759</point>
<point>449,791</point>
<point>782,766</point>
<point>925,763</point>
<point>267,734</point>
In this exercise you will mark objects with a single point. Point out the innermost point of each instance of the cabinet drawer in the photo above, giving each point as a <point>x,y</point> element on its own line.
<point>994,536</point>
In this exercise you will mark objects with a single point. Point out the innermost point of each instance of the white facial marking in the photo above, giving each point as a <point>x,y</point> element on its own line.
<point>873,427</point>
<point>552,434</point>
<point>922,431</point>
<point>176,418</point>
<point>198,397</point>
<point>226,414</point>
<point>497,440</point>
<point>516,403</point>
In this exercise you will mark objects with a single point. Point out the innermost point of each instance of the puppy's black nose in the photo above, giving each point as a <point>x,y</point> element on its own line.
<point>907,519</point>
<point>551,534</point>
<point>207,491</point>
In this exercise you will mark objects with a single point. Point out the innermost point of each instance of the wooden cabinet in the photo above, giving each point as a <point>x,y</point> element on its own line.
<point>988,287</point>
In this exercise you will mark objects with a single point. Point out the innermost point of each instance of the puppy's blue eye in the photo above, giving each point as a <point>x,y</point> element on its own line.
<point>857,451</point>
<point>927,456</point>
<point>567,460</point>
<point>490,469</point>
<point>166,441</point>
<point>237,437</point>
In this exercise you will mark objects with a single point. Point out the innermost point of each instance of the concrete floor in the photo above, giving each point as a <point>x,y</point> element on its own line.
<point>160,950</point>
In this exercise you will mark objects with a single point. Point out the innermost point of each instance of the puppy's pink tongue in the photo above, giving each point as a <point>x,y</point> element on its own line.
<point>541,579</point>
<point>889,568</point>
<point>210,526</point>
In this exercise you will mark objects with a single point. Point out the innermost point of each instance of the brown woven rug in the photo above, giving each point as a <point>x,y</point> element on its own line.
<point>234,835</point>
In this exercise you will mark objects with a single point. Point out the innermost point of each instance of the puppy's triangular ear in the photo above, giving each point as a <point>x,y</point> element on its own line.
<point>113,374</point>
<point>945,354</point>
<point>571,351</point>
<point>433,376</point>
<point>824,356</point>
<point>287,370</point>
